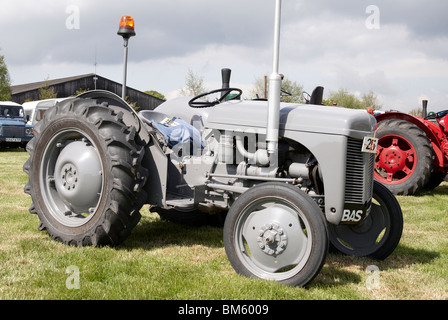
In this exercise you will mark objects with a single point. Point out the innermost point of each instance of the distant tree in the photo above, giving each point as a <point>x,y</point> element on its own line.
<point>47,92</point>
<point>155,94</point>
<point>5,82</point>
<point>371,100</point>
<point>416,112</point>
<point>295,89</point>
<point>345,99</point>
<point>261,90</point>
<point>81,90</point>
<point>194,85</point>
<point>132,104</point>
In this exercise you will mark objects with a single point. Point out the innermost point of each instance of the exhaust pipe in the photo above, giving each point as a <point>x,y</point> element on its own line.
<point>269,157</point>
<point>275,83</point>
<point>424,108</point>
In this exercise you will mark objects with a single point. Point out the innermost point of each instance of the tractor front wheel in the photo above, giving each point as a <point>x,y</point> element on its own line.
<point>376,236</point>
<point>275,231</point>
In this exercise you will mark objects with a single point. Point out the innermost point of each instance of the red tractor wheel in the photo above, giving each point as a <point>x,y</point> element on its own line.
<point>405,158</point>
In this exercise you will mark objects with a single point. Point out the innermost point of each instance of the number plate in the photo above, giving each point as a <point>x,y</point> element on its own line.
<point>369,145</point>
<point>13,139</point>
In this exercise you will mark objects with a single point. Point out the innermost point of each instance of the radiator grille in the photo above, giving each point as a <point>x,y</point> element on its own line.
<point>359,173</point>
<point>12,131</point>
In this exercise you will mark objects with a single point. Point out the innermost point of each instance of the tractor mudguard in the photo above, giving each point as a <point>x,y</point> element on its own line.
<point>130,116</point>
<point>155,161</point>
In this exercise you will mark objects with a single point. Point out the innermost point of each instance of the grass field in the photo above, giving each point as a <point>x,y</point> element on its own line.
<point>162,260</point>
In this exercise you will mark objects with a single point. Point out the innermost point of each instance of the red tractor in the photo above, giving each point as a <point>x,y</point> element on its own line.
<point>412,151</point>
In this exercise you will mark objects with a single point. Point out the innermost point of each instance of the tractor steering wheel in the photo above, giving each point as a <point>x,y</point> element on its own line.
<point>205,104</point>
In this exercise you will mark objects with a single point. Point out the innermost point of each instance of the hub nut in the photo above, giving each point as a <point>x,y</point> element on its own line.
<point>272,239</point>
<point>69,176</point>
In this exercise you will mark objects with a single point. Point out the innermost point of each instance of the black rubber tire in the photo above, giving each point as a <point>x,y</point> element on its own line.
<point>435,180</point>
<point>361,240</point>
<point>120,152</point>
<point>310,217</point>
<point>421,174</point>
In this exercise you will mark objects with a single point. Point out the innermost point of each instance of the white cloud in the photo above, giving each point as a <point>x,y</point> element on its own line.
<point>323,43</point>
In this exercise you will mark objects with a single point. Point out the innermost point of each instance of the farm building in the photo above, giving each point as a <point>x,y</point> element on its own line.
<point>66,87</point>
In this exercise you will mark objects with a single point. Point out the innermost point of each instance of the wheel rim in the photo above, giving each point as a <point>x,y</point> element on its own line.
<point>273,239</point>
<point>366,237</point>
<point>395,161</point>
<point>71,177</point>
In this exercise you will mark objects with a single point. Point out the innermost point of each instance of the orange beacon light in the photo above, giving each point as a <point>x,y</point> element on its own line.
<point>126,27</point>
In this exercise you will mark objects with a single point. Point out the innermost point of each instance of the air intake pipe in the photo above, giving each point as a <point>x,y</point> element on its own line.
<point>275,84</point>
<point>269,157</point>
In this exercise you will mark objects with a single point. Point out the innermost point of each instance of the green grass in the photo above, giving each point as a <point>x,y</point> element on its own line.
<point>162,260</point>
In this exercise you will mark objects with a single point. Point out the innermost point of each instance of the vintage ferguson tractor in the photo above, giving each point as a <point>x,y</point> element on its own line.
<point>412,151</point>
<point>292,179</point>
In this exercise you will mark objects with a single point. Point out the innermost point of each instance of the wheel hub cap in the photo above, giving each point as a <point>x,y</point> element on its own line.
<point>393,159</point>
<point>396,160</point>
<point>69,176</point>
<point>272,239</point>
<point>78,177</point>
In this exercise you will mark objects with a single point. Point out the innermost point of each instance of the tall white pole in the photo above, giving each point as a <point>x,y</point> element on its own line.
<point>126,30</point>
<point>125,66</point>
<point>274,89</point>
<point>277,23</point>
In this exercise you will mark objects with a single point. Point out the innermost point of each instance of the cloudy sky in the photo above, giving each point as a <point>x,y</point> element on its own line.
<point>396,48</point>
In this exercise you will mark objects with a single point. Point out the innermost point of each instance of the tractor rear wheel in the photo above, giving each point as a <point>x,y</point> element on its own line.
<point>85,174</point>
<point>435,180</point>
<point>405,158</point>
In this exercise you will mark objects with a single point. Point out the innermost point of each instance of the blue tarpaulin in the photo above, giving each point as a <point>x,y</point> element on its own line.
<point>177,131</point>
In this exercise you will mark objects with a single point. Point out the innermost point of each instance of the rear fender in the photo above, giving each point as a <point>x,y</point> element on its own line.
<point>130,117</point>
<point>155,161</point>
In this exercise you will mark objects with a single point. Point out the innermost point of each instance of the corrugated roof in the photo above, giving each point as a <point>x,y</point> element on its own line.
<point>36,85</point>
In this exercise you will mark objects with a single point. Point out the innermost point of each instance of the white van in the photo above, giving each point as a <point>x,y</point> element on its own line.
<point>34,110</point>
